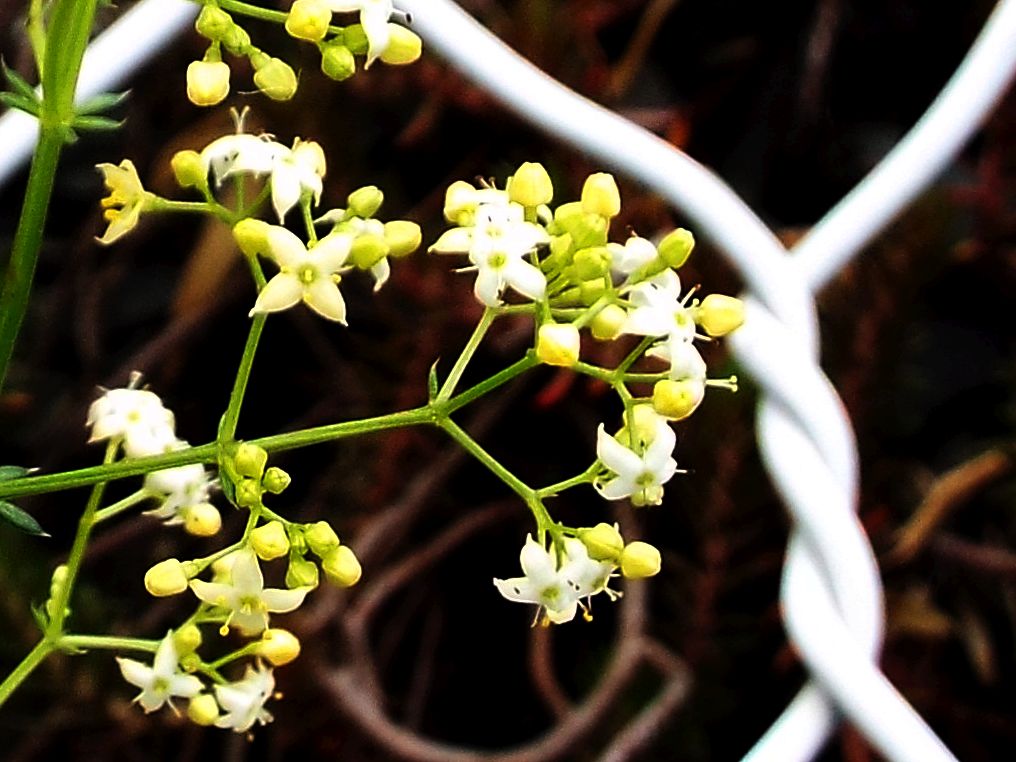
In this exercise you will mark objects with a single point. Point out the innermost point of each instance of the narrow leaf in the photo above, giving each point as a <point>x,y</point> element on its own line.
<point>18,101</point>
<point>18,519</point>
<point>102,102</point>
<point>432,384</point>
<point>13,472</point>
<point>18,83</point>
<point>96,123</point>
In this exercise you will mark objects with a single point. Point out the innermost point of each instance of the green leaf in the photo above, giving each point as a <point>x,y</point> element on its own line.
<point>18,83</point>
<point>96,123</point>
<point>432,384</point>
<point>102,102</point>
<point>18,519</point>
<point>7,473</point>
<point>14,100</point>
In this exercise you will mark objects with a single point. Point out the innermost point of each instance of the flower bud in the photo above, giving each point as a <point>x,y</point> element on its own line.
<point>586,230</point>
<point>558,344</point>
<point>213,23</point>
<point>278,646</point>
<point>276,79</point>
<point>248,492</point>
<point>591,290</point>
<point>187,639</point>
<point>367,250</point>
<point>404,46</point>
<point>222,568</point>
<point>166,578</point>
<point>270,541</point>
<point>644,421</point>
<point>203,709</point>
<point>365,201</point>
<point>207,82</point>
<point>308,20</point>
<point>403,237</point>
<point>301,573</point>
<point>677,400</point>
<point>342,567</point>
<point>276,480</point>
<point>609,321</point>
<point>355,38</point>
<point>252,236</point>
<point>640,560</point>
<point>202,520</point>
<point>676,246</point>
<point>603,542</point>
<point>530,185</point>
<point>600,195</point>
<point>337,62</point>
<point>720,314</point>
<point>592,263</point>
<point>321,538</point>
<point>249,460</point>
<point>236,40</point>
<point>189,170</point>
<point>460,199</point>
<point>58,579</point>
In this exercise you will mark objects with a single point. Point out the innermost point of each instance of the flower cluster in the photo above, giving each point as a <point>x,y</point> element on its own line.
<point>373,36</point>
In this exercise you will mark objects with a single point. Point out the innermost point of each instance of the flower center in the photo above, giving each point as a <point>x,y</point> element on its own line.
<point>307,274</point>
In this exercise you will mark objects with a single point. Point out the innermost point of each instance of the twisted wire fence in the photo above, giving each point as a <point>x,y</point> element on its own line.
<point>831,590</point>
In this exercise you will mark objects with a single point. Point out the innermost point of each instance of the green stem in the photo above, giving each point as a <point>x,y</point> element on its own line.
<point>122,505</point>
<point>106,642</point>
<point>448,388</point>
<point>54,629</point>
<point>232,415</point>
<point>584,478</point>
<point>34,658</point>
<point>488,385</point>
<point>471,446</point>
<point>294,439</point>
<point>159,204</point>
<point>308,222</point>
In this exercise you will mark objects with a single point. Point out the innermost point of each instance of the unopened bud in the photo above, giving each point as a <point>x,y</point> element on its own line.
<point>460,198</point>
<point>203,709</point>
<point>337,62</point>
<point>187,639</point>
<point>677,400</point>
<point>600,195</point>
<point>278,646</point>
<point>301,573</point>
<point>531,185</point>
<point>603,542</point>
<point>403,237</point>
<point>308,20</point>
<point>248,492</point>
<point>276,480</point>
<point>404,46</point>
<point>367,250</point>
<point>189,170</point>
<point>558,344</point>
<point>321,538</point>
<point>365,201</point>
<point>270,541</point>
<point>250,460</point>
<point>676,246</point>
<point>720,314</point>
<point>592,262</point>
<point>202,519</point>
<point>342,567</point>
<point>276,79</point>
<point>236,40</point>
<point>252,236</point>
<point>207,82</point>
<point>609,321</point>
<point>213,23</point>
<point>640,560</point>
<point>166,578</point>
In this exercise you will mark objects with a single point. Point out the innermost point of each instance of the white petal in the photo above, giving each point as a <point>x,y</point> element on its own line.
<point>330,253</point>
<point>134,672</point>
<point>526,279</point>
<point>616,456</point>
<point>215,593</point>
<point>374,18</point>
<point>454,241</point>
<point>615,489</point>
<point>286,248</point>
<point>185,686</point>
<point>323,296</point>
<point>165,658</point>
<point>281,601</point>
<point>659,451</point>
<point>646,321</point>
<point>280,293</point>
<point>518,589</point>
<point>488,287</point>
<point>566,614</point>
<point>537,562</point>
<point>381,271</point>
<point>286,188</point>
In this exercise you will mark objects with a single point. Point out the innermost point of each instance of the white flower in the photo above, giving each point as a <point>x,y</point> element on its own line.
<point>134,416</point>
<point>126,201</point>
<point>162,681</point>
<point>497,243</point>
<point>311,275</point>
<point>179,488</point>
<point>640,477</point>
<point>658,309</point>
<point>634,254</point>
<point>245,596</point>
<point>542,584</point>
<point>374,15</point>
<point>685,361</point>
<point>293,171</point>
<point>244,700</point>
<point>586,576</point>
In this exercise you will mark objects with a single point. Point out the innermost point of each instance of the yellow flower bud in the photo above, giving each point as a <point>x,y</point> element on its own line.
<point>57,580</point>
<point>404,46</point>
<point>270,541</point>
<point>342,567</point>
<point>308,20</point>
<point>213,22</point>
<point>337,62</point>
<point>189,170</point>
<point>166,578</point>
<point>278,646</point>
<point>530,185</point>
<point>644,421</point>
<point>248,492</point>
<point>609,321</point>
<point>301,573</point>
<point>276,480</point>
<point>593,262</point>
<point>603,542</point>
<point>236,40</point>
<point>276,79</point>
<point>207,82</point>
<point>677,400</point>
<point>365,201</point>
<point>321,538</point>
<point>601,196</point>
<point>403,237</point>
<point>249,460</point>
<point>202,520</point>
<point>720,314</point>
<point>252,236</point>
<point>591,290</point>
<point>187,640</point>
<point>459,198</point>
<point>640,560</point>
<point>203,709</point>
<point>367,250</point>
<point>676,246</point>
<point>558,344</point>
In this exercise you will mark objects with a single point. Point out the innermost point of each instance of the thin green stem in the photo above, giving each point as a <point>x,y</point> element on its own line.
<point>121,505</point>
<point>159,204</point>
<point>34,658</point>
<point>292,440</point>
<point>448,388</point>
<point>54,629</point>
<point>488,385</point>
<point>106,642</point>
<point>308,222</point>
<point>585,477</point>
<point>230,419</point>
<point>471,446</point>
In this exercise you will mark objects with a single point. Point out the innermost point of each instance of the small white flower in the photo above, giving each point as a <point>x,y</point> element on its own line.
<point>685,361</point>
<point>374,15</point>
<point>586,576</point>
<point>134,416</point>
<point>636,253</point>
<point>640,477</point>
<point>542,584</point>
<point>311,275</point>
<point>245,595</point>
<point>162,681</point>
<point>244,700</point>
<point>241,153</point>
<point>658,309</point>
<point>179,488</point>
<point>126,201</point>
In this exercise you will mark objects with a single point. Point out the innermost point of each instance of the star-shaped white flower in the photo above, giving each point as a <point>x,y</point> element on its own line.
<point>374,15</point>
<point>178,488</point>
<point>685,361</point>
<point>586,576</point>
<point>640,477</point>
<point>635,253</point>
<point>658,309</point>
<point>134,416</point>
<point>245,595</point>
<point>244,700</point>
<point>126,200</point>
<point>542,584</point>
<point>310,275</point>
<point>162,681</point>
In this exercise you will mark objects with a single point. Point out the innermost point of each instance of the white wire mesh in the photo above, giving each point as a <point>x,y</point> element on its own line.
<point>831,589</point>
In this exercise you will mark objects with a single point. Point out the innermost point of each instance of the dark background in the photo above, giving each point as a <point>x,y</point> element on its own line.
<point>792,104</point>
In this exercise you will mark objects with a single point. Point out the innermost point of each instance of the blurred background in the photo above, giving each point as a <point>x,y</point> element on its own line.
<point>423,660</point>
